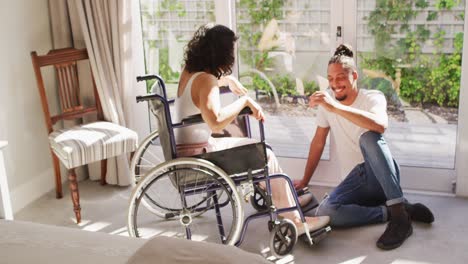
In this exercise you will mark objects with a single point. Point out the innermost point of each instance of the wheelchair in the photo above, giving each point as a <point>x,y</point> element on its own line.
<point>201,197</point>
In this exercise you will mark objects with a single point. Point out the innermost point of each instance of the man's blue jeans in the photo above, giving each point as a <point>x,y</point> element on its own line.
<point>361,197</point>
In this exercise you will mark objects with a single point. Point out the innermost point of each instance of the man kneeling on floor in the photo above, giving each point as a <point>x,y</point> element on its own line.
<point>371,192</point>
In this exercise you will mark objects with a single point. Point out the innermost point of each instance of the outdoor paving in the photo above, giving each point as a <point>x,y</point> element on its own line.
<point>418,142</point>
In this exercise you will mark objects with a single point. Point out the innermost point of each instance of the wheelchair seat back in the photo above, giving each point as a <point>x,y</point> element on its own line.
<point>238,159</point>
<point>159,107</point>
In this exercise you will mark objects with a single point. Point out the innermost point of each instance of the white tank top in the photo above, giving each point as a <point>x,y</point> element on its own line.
<point>185,107</point>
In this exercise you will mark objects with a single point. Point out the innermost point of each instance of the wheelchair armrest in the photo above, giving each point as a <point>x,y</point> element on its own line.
<point>147,97</point>
<point>194,119</point>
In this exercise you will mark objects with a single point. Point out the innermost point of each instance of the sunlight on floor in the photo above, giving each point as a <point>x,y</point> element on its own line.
<point>287,259</point>
<point>405,261</point>
<point>82,223</point>
<point>357,260</point>
<point>266,253</point>
<point>94,227</point>
<point>120,231</point>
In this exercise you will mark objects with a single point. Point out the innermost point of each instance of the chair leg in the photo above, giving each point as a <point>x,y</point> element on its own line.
<point>58,178</point>
<point>103,171</point>
<point>75,195</point>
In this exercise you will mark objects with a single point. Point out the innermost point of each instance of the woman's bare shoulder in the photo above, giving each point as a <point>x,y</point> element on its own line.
<point>205,81</point>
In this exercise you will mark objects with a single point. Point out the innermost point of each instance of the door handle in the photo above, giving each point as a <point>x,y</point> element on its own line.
<point>338,32</point>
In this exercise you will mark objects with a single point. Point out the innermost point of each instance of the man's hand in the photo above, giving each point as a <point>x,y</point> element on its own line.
<point>324,99</point>
<point>299,185</point>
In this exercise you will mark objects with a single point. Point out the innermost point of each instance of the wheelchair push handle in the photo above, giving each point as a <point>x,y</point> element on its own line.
<point>160,81</point>
<point>148,77</point>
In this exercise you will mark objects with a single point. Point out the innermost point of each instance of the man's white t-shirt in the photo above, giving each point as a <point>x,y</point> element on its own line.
<point>346,134</point>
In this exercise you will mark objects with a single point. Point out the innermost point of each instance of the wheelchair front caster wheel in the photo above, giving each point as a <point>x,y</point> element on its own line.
<point>283,237</point>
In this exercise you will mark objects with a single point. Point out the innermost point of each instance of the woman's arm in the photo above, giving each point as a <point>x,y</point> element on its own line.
<point>234,85</point>
<point>208,101</point>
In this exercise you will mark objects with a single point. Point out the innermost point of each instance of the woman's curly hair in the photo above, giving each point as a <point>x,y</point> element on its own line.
<point>211,49</point>
<point>344,55</point>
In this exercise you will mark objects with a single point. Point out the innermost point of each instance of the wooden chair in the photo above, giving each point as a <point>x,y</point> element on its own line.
<point>81,144</point>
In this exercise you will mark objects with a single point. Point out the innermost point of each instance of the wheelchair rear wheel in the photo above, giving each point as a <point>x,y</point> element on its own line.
<point>147,156</point>
<point>183,189</point>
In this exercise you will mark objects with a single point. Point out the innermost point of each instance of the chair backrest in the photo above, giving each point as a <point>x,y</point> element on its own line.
<point>65,62</point>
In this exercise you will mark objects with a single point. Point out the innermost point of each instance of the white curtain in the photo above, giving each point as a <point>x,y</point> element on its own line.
<point>112,34</point>
<point>66,32</point>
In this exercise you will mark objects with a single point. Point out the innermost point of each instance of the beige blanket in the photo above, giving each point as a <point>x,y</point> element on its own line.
<point>24,242</point>
<point>174,250</point>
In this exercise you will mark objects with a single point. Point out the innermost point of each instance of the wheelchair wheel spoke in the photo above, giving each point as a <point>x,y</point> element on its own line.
<point>150,156</point>
<point>258,201</point>
<point>190,201</point>
<point>282,246</point>
<point>188,233</point>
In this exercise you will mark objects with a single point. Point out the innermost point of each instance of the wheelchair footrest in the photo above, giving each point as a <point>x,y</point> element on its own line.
<point>316,235</point>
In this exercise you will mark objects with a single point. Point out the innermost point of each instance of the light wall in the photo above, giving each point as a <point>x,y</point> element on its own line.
<point>24,25</point>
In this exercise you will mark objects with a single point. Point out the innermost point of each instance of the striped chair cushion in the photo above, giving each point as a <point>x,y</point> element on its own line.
<point>91,142</point>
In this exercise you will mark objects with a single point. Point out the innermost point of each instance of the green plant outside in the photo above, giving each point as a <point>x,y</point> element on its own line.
<point>165,10</point>
<point>425,78</point>
<point>430,78</point>
<point>259,13</point>
<point>285,85</point>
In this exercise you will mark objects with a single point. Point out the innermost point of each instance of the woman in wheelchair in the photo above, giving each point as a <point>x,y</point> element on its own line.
<point>209,58</point>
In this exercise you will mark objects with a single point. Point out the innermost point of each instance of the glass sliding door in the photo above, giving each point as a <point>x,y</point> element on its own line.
<point>411,51</point>
<point>167,27</point>
<point>283,50</point>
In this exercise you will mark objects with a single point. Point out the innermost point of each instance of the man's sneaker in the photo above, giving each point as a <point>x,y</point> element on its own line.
<point>419,212</point>
<point>397,231</point>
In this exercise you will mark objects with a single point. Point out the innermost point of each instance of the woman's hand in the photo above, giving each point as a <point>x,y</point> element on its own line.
<point>257,111</point>
<point>234,85</point>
